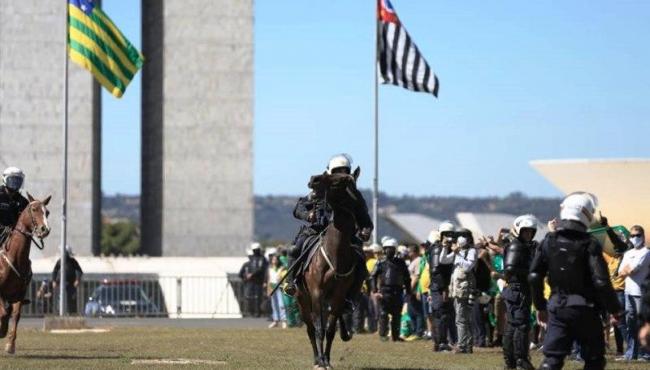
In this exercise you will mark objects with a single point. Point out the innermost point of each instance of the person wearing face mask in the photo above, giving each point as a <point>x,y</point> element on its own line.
<point>634,268</point>
<point>389,279</point>
<point>518,256</point>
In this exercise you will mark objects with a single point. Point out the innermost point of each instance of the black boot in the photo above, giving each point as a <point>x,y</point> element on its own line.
<point>524,364</point>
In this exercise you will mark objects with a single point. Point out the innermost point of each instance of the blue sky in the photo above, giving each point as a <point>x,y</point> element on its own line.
<point>519,81</point>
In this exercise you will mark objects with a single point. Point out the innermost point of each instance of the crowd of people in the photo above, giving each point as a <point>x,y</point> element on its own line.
<point>461,292</point>
<point>562,294</point>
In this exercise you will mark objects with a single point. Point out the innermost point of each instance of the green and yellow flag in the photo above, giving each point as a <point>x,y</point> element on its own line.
<point>96,44</point>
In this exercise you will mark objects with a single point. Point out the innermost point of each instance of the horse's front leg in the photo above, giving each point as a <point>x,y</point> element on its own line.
<point>318,318</point>
<point>4,318</point>
<point>10,347</point>
<point>331,333</point>
<point>305,313</point>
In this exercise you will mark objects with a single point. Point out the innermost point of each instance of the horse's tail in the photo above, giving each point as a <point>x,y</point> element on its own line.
<point>346,334</point>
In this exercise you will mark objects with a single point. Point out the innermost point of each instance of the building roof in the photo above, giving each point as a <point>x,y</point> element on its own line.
<point>621,185</point>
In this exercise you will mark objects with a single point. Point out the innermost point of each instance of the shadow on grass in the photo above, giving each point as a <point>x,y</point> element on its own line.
<point>67,357</point>
<point>401,368</point>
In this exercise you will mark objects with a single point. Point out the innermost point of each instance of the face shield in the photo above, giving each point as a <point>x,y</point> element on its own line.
<point>14,183</point>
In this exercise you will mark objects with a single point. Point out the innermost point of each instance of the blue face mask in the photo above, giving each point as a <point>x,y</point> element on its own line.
<point>637,241</point>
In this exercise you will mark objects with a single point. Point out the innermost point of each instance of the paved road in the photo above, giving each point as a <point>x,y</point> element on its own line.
<point>246,323</point>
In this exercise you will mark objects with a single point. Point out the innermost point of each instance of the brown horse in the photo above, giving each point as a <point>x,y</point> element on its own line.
<point>15,266</point>
<point>329,276</point>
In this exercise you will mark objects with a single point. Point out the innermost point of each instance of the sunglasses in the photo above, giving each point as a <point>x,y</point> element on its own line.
<point>635,235</point>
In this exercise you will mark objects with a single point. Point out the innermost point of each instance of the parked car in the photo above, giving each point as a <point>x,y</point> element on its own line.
<point>120,299</point>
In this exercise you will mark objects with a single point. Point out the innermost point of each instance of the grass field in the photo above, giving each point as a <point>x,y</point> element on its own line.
<point>227,349</point>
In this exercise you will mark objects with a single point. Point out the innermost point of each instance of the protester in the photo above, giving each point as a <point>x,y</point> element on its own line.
<point>415,304</point>
<point>275,273</point>
<point>463,285</point>
<point>635,267</point>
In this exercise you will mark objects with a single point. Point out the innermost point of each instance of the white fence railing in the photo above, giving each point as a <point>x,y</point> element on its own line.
<point>141,295</point>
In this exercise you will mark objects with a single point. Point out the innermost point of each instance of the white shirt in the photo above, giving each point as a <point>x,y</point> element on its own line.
<point>639,262</point>
<point>464,258</point>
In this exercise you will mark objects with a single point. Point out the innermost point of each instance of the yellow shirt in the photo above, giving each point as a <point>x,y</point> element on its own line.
<point>370,263</point>
<point>618,282</point>
<point>425,279</point>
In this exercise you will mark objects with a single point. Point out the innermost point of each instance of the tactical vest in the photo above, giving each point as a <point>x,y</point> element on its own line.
<point>567,265</point>
<point>391,274</point>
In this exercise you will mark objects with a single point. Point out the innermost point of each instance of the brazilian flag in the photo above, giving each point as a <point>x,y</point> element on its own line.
<point>96,44</point>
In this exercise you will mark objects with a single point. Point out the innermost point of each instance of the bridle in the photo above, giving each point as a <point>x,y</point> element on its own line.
<point>30,235</point>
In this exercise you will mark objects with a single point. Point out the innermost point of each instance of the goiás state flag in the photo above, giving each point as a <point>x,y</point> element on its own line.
<point>96,44</point>
<point>400,61</point>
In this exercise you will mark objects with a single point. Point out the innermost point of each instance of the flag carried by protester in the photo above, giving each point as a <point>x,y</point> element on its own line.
<point>400,61</point>
<point>96,44</point>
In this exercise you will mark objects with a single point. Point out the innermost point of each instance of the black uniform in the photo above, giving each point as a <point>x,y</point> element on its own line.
<point>11,205</point>
<point>580,287</point>
<point>518,256</point>
<point>441,304</point>
<point>253,274</point>
<point>72,272</point>
<point>390,277</point>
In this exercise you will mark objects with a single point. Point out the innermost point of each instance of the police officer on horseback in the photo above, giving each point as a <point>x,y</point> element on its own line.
<point>12,203</point>
<point>518,256</point>
<point>580,286</point>
<point>389,280</point>
<point>314,210</point>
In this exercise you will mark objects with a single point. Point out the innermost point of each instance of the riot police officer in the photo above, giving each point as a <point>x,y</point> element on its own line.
<point>389,280</point>
<point>580,286</point>
<point>440,272</point>
<point>12,203</point>
<point>518,256</point>
<point>253,273</point>
<point>314,210</point>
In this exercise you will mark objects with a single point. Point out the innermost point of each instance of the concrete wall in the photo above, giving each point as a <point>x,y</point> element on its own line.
<point>31,77</point>
<point>197,127</point>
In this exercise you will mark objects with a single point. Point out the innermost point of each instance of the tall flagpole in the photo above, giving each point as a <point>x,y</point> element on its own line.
<point>64,197</point>
<point>375,181</point>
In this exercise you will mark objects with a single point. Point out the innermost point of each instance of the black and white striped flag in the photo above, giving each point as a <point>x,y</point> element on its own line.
<point>400,61</point>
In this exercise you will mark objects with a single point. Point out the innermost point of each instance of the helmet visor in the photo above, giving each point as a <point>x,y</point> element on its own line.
<point>14,182</point>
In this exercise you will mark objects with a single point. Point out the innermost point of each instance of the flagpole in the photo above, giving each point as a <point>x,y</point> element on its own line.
<point>375,181</point>
<point>64,197</point>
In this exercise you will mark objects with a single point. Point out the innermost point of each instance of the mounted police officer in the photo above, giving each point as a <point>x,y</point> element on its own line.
<point>580,286</point>
<point>12,203</point>
<point>440,272</point>
<point>314,210</point>
<point>389,279</point>
<point>518,256</point>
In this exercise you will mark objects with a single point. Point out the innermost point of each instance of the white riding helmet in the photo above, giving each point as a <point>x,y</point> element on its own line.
<point>524,222</point>
<point>339,161</point>
<point>579,206</point>
<point>446,226</point>
<point>13,178</point>
<point>433,237</point>
<point>256,246</point>
<point>389,243</point>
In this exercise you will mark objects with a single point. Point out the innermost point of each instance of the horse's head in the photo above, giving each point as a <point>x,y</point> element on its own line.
<point>339,188</point>
<point>34,217</point>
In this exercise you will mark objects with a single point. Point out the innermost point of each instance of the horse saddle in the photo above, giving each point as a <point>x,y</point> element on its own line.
<point>310,246</point>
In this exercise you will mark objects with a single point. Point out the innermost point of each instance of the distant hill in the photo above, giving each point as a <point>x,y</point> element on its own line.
<point>274,221</point>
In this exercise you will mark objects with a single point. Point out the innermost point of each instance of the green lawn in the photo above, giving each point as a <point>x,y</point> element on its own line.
<point>280,349</point>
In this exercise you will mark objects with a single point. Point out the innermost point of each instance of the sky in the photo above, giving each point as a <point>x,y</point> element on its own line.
<point>519,81</point>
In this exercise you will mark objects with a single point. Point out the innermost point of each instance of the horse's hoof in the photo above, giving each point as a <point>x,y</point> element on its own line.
<point>10,349</point>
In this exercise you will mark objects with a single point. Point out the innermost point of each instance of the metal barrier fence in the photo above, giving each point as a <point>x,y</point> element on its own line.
<point>140,295</point>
